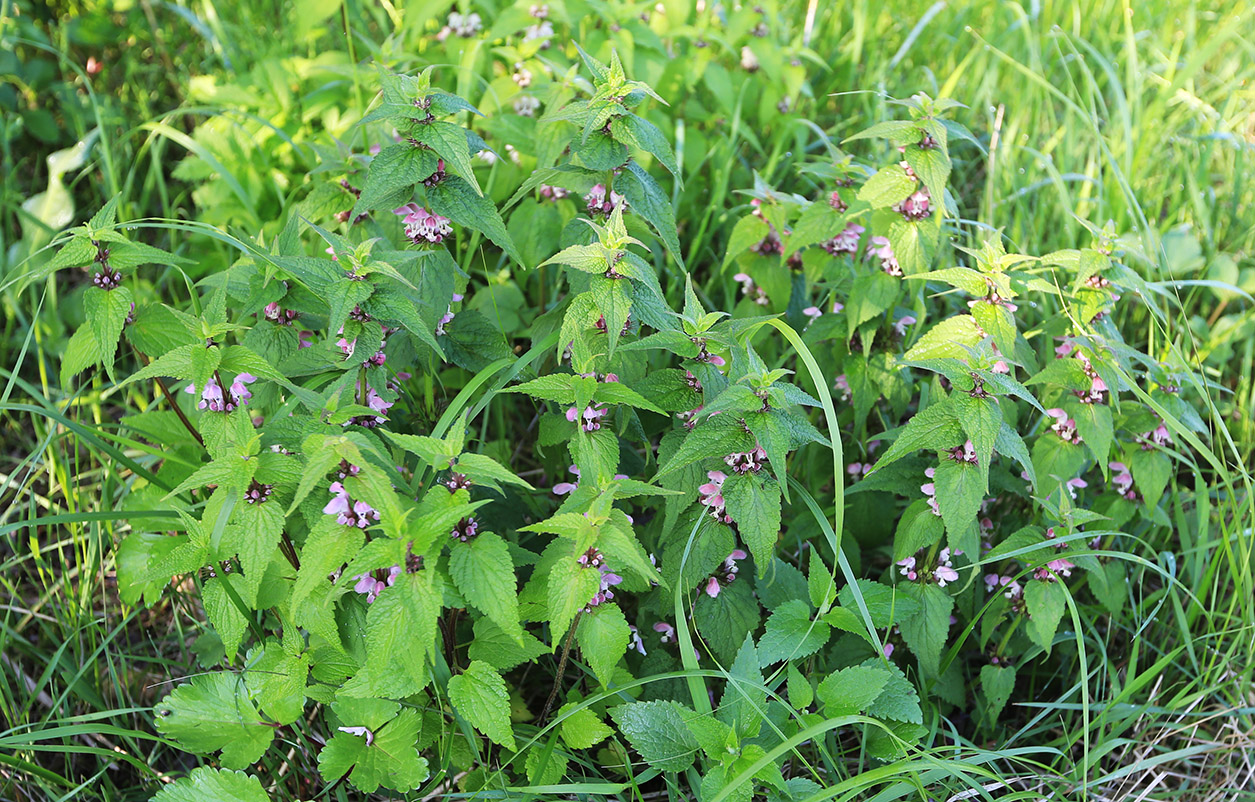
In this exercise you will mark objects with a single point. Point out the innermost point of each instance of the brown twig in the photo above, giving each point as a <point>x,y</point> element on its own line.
<point>173,404</point>
<point>557,681</point>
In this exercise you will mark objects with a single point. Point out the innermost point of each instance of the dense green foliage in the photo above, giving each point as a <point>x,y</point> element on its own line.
<point>604,400</point>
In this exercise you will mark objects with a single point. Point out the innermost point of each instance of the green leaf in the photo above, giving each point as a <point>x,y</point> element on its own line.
<point>873,294</point>
<point>603,637</point>
<point>657,730</point>
<point>997,682</point>
<point>650,202</point>
<point>998,323</point>
<point>277,680</point>
<point>885,604</point>
<point>224,614</point>
<point>851,690</point>
<point>449,141</point>
<point>644,135</point>
<point>582,728</point>
<point>947,339</point>
<point>106,316</point>
<point>717,436</point>
<point>213,712</point>
<point>1046,602</point>
<point>613,301</point>
<point>81,352</point>
<point>1096,427</point>
<point>204,784</point>
<point>960,491</point>
<point>494,646</point>
<point>927,630</point>
<point>914,243</point>
<point>791,634</point>
<point>981,419</point>
<point>899,701</point>
<point>455,199</point>
<point>390,759</point>
<point>755,506</point>
<point>933,427</point>
<point>747,232</point>
<point>484,574</point>
<point>393,173</point>
<point>743,705</point>
<point>932,165</point>
<point>801,694</point>
<point>571,586</point>
<point>479,694</point>
<point>819,223</point>
<point>400,635</point>
<point>888,186</point>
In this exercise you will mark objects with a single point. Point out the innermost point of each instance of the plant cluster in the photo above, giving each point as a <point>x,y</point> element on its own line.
<point>729,550</point>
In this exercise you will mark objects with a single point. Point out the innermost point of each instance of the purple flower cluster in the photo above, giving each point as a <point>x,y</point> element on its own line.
<point>726,573</point>
<point>347,511</point>
<point>599,205</point>
<point>608,579</point>
<point>422,226</point>
<point>914,569</point>
<point>214,399</point>
<point>1063,426</point>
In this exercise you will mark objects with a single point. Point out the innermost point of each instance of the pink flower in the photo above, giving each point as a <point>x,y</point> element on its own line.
<point>1159,437</point>
<point>447,318</point>
<point>562,488</point>
<point>812,313</point>
<point>748,288</point>
<point>916,206</point>
<point>747,462</point>
<point>422,226</point>
<point>725,574</point>
<point>371,586</point>
<point>608,580</point>
<point>930,490</point>
<point>846,241</point>
<point>552,193</point>
<point>907,568</point>
<point>211,397</point>
<point>598,204</point>
<point>1063,426</point>
<point>370,736</point>
<point>634,640</point>
<point>1051,570</point>
<point>304,339</point>
<point>965,453</point>
<point>239,387</point>
<point>944,574</point>
<point>590,418</point>
<point>1011,588</point>
<point>901,326</point>
<point>858,469</point>
<point>1074,484</point>
<point>1122,480</point>
<point>843,384</point>
<point>883,250</point>
<point>347,511</point>
<point>711,495</point>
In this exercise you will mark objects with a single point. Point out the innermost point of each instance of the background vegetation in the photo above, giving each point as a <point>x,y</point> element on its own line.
<point>1138,117</point>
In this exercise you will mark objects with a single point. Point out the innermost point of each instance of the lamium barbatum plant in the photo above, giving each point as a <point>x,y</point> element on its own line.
<point>861,495</point>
